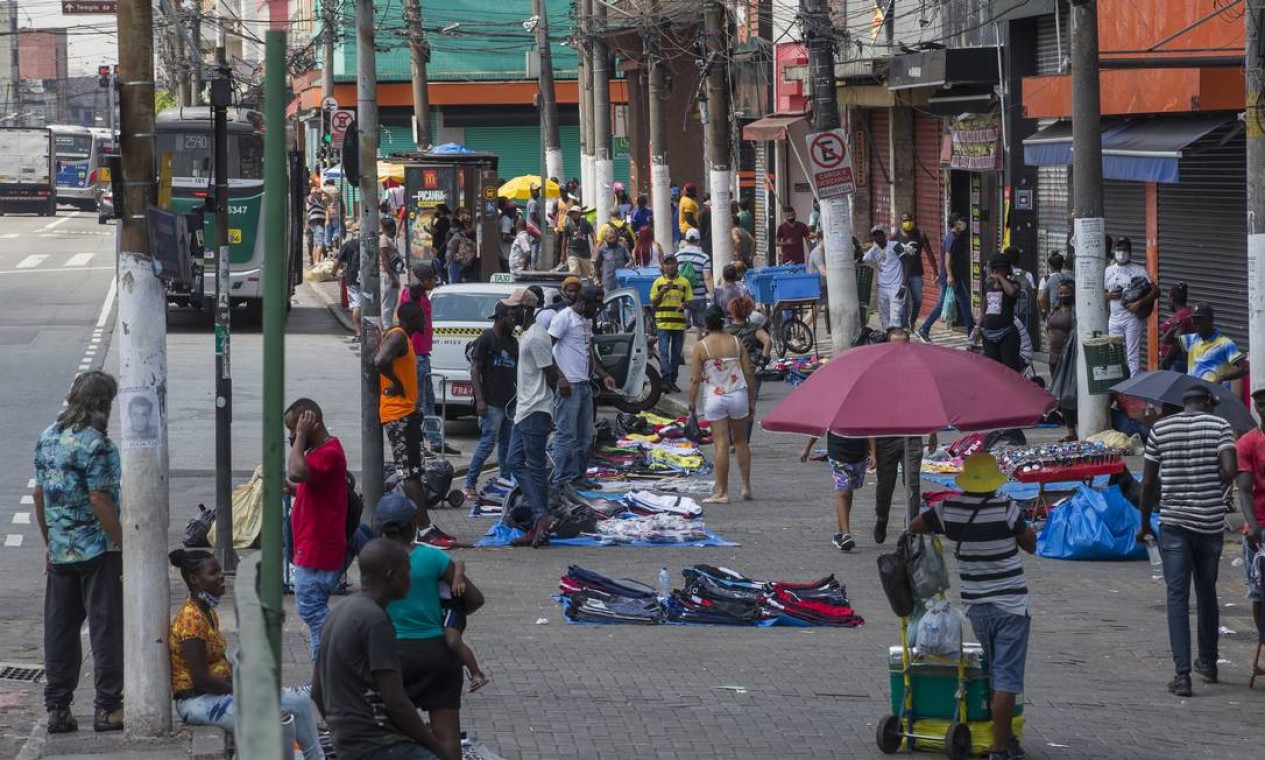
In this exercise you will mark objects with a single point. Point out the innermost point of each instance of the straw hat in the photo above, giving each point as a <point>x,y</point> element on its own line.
<point>980,474</point>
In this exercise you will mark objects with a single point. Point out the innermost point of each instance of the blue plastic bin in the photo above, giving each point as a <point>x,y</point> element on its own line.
<point>796,287</point>
<point>641,279</point>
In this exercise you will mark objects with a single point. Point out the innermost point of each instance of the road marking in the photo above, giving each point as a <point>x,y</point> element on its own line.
<point>30,483</point>
<point>79,259</point>
<point>46,271</point>
<point>13,539</point>
<point>59,222</point>
<point>9,236</point>
<point>21,518</point>
<point>32,261</point>
<point>108,304</point>
<point>28,499</point>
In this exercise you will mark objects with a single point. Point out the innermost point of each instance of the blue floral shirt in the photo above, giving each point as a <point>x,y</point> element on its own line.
<point>68,465</point>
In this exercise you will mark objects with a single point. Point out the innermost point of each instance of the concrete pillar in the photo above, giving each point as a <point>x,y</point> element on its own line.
<point>901,137</point>
<point>638,132</point>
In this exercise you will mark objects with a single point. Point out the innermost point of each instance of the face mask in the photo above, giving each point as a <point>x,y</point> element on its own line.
<point>1122,257</point>
<point>211,600</point>
<point>1067,300</point>
<point>907,226</point>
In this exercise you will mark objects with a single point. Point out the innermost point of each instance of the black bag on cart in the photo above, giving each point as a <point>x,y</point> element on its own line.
<point>893,573</point>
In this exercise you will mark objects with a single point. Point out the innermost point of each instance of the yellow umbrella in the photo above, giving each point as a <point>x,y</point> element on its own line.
<point>519,188</point>
<point>388,171</point>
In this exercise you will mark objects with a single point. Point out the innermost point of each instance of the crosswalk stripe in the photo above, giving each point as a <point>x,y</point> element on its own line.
<point>79,259</point>
<point>32,261</point>
<point>21,518</point>
<point>28,499</point>
<point>13,539</point>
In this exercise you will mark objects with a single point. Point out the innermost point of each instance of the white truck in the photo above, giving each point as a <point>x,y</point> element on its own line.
<point>26,171</point>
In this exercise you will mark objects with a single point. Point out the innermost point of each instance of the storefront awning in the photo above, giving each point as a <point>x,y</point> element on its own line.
<point>771,127</point>
<point>1138,150</point>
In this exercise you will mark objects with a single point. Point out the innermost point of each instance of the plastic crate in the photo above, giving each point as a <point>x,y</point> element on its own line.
<point>935,685</point>
<point>796,287</point>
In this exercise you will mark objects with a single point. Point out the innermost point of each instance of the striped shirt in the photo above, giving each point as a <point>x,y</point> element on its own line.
<point>985,529</point>
<point>670,313</point>
<point>1187,447</point>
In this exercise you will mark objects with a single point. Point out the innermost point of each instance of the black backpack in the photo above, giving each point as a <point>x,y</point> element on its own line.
<point>196,532</point>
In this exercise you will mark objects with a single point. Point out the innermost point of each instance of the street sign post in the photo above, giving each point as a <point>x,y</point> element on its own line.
<point>338,124</point>
<point>329,104</point>
<point>830,164</point>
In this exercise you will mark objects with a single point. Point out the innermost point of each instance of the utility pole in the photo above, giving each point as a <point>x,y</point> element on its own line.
<point>221,98</point>
<point>1091,254</point>
<point>603,166</point>
<point>371,293</point>
<point>419,56</point>
<point>15,66</point>
<point>195,56</point>
<point>660,176</point>
<point>175,14</point>
<point>552,142</point>
<point>719,149</point>
<point>142,335</point>
<point>1255,118</point>
<point>328,16</point>
<point>583,53</point>
<point>836,213</point>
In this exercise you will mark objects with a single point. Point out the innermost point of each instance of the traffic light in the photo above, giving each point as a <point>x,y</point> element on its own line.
<point>103,76</point>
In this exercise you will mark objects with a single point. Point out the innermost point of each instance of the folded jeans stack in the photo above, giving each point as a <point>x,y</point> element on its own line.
<point>591,597</point>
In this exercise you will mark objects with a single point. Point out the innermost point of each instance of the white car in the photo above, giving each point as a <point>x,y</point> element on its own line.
<point>462,312</point>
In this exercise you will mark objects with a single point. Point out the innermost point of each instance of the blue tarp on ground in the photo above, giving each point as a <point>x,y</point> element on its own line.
<point>1014,489</point>
<point>1094,525</point>
<point>502,534</point>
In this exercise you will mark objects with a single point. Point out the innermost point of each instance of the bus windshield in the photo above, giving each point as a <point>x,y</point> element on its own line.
<point>193,155</point>
<point>73,146</point>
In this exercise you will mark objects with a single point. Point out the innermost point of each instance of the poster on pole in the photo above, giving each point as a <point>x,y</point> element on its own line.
<point>830,164</point>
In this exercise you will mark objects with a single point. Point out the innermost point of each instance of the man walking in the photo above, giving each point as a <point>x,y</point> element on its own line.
<point>611,256</point>
<point>955,275</point>
<point>577,237</point>
<point>1131,293</point>
<point>397,411</point>
<point>1251,482</point>
<point>1190,459</point>
<point>316,225</point>
<point>533,417</point>
<point>669,294</point>
<point>572,331</point>
<point>318,521</point>
<point>494,375</point>
<point>889,258</point>
<point>791,234</point>
<point>1048,290</point>
<point>918,247</point>
<point>77,479</point>
<point>696,266</point>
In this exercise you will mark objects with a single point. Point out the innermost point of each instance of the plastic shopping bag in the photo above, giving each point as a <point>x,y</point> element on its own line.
<point>949,312</point>
<point>940,630</point>
<point>928,575</point>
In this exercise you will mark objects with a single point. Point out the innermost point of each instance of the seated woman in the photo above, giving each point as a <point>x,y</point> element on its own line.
<point>201,676</point>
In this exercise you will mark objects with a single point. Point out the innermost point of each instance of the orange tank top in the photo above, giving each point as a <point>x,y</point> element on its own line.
<point>392,408</point>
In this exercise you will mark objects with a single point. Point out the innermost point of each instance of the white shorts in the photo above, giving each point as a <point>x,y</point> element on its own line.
<point>353,296</point>
<point>732,405</point>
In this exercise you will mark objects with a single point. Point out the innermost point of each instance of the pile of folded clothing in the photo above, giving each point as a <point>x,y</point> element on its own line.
<point>655,529</point>
<point>651,503</point>
<point>590,597</point>
<point>730,594</point>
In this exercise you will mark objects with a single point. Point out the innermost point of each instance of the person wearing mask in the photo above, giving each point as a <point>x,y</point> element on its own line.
<point>647,252</point>
<point>533,418</point>
<point>358,683</point>
<point>201,675</point>
<point>1189,460</point>
<point>955,274</point>
<point>1211,355</point>
<point>688,215</point>
<point>791,234</point>
<point>670,293</point>
<point>572,331</point>
<point>493,376</point>
<point>1048,288</point>
<point>888,258</point>
<point>641,217</point>
<point>317,465</point>
<point>1131,294</point>
<point>918,248</point>
<point>1178,324</point>
<point>743,242</point>
<point>578,237</point>
<point>77,488</point>
<point>612,256</point>
<point>418,291</point>
<point>996,328</point>
<point>722,371</point>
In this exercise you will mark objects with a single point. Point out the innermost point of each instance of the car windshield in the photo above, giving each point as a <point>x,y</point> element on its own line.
<point>463,307</point>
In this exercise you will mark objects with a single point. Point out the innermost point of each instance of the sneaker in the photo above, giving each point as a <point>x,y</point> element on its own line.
<point>443,450</point>
<point>435,537</point>
<point>1180,686</point>
<point>1014,750</point>
<point>1207,673</point>
<point>844,542</point>
<point>60,721</point>
<point>104,719</point>
<point>471,492</point>
<point>925,335</point>
<point>880,531</point>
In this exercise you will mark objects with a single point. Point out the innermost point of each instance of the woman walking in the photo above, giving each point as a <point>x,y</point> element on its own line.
<point>722,365</point>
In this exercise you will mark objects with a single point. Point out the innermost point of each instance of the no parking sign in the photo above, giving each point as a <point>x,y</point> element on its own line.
<point>831,164</point>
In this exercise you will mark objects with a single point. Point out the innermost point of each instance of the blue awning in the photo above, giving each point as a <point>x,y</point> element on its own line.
<point>1136,150</point>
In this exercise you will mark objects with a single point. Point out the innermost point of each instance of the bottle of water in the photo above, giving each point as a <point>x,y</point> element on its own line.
<point>1153,553</point>
<point>664,582</point>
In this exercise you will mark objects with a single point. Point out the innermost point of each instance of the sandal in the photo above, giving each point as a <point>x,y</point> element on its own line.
<point>478,681</point>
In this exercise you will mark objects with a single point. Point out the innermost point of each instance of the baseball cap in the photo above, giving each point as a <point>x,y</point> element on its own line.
<point>877,229</point>
<point>520,297</point>
<point>693,234</point>
<point>1202,309</point>
<point>669,257</point>
<point>906,217</point>
<point>395,509</point>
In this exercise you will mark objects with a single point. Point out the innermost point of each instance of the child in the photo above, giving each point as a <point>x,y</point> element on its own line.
<point>455,623</point>
<point>848,461</point>
<point>989,531</point>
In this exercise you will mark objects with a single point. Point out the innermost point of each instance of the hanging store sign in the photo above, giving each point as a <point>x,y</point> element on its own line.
<point>976,143</point>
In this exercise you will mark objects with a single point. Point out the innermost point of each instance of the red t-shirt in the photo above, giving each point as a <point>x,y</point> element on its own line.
<point>425,338</point>
<point>318,519</point>
<point>1251,451</point>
